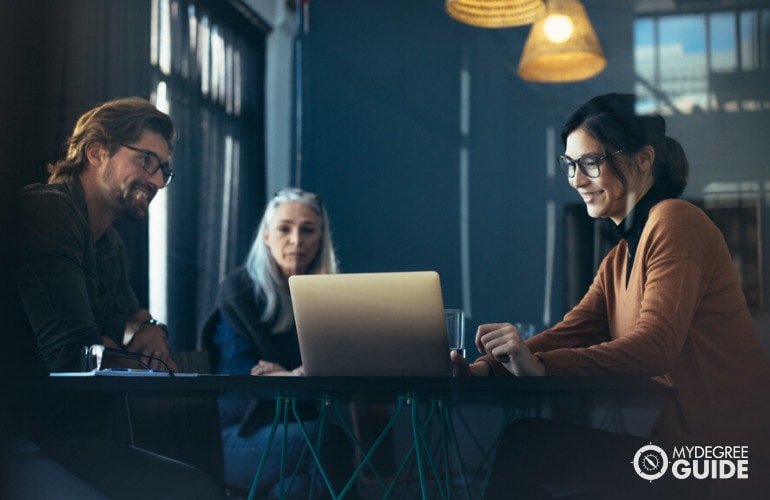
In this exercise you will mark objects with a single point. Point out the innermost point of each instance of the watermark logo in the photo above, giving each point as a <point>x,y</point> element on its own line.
<point>650,462</point>
<point>697,462</point>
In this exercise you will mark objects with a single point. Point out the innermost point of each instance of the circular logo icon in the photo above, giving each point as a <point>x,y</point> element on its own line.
<point>650,462</point>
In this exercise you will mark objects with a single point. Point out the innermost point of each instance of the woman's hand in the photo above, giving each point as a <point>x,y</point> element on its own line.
<point>503,342</point>
<point>269,368</point>
<point>461,367</point>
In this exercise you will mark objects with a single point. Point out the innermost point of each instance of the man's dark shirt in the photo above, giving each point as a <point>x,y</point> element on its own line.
<point>73,290</point>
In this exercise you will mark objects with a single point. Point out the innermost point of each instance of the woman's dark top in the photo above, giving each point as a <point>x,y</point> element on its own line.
<point>237,339</point>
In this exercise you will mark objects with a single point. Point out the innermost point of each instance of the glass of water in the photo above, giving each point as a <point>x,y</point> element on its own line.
<point>455,327</point>
<point>526,330</point>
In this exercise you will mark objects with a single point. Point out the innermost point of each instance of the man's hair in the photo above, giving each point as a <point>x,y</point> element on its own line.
<point>114,122</point>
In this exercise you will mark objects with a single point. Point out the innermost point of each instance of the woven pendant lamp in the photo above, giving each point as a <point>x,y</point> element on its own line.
<point>562,46</point>
<point>496,13</point>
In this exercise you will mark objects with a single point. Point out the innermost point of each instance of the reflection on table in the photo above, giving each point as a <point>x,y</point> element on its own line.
<point>439,434</point>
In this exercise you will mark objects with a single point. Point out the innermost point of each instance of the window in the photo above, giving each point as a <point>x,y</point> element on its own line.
<point>703,62</point>
<point>208,66</point>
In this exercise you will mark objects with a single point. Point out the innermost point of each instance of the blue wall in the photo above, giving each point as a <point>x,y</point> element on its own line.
<point>381,141</point>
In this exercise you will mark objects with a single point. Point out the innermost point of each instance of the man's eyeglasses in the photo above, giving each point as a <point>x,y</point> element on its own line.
<point>588,164</point>
<point>151,163</point>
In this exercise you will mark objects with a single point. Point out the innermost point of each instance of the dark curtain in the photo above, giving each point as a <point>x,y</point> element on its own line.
<point>61,58</point>
<point>57,60</point>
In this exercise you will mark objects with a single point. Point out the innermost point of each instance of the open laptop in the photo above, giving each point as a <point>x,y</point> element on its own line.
<point>371,324</point>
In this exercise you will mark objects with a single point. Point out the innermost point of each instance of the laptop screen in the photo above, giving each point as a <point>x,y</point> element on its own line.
<point>371,324</point>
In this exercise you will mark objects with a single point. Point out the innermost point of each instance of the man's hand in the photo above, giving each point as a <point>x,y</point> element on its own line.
<point>114,360</point>
<point>147,339</point>
<point>150,341</point>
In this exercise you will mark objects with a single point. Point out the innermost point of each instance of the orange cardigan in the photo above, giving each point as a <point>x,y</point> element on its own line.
<point>683,319</point>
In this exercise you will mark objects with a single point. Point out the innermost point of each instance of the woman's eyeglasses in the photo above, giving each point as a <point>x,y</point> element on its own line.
<point>588,164</point>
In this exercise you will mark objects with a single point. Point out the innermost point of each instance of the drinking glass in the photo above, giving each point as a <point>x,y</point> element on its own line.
<point>526,330</point>
<point>455,327</point>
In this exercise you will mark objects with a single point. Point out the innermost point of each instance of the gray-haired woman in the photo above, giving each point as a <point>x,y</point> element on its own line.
<point>252,331</point>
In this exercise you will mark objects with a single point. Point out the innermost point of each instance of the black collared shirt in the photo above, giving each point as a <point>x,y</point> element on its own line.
<point>630,228</point>
<point>74,290</point>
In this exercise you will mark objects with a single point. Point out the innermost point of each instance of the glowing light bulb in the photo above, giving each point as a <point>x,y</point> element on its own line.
<point>558,28</point>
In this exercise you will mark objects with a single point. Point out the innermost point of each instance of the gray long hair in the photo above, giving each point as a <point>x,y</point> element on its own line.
<point>269,282</point>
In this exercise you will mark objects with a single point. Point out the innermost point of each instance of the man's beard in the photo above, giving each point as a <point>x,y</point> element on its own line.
<point>130,203</point>
<point>128,200</point>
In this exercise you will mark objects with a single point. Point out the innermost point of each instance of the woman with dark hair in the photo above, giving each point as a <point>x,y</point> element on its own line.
<point>666,303</point>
